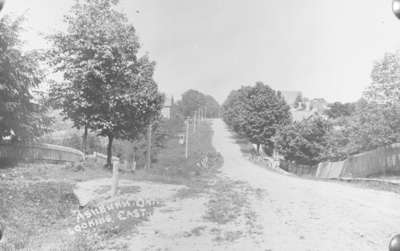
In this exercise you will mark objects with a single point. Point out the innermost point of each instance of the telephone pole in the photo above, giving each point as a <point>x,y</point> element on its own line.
<point>187,122</point>
<point>194,121</point>
<point>148,154</point>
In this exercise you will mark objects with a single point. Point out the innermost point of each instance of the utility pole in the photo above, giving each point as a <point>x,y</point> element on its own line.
<point>148,154</point>
<point>187,122</point>
<point>194,121</point>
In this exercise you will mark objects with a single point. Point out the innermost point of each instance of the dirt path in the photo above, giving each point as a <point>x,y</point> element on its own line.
<point>297,214</point>
<point>251,208</point>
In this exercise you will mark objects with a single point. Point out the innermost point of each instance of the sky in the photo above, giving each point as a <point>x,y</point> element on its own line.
<point>323,48</point>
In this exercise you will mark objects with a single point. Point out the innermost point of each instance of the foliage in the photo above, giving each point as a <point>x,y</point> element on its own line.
<point>193,100</point>
<point>372,125</point>
<point>21,116</point>
<point>385,86</point>
<point>109,88</point>
<point>338,109</point>
<point>256,113</point>
<point>212,107</point>
<point>368,127</point>
<point>371,122</point>
<point>304,142</point>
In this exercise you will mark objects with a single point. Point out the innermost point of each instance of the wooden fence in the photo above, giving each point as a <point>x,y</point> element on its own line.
<point>40,152</point>
<point>376,162</point>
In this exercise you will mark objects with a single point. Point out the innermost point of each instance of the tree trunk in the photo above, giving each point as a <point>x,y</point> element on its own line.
<point>109,151</point>
<point>258,148</point>
<point>84,141</point>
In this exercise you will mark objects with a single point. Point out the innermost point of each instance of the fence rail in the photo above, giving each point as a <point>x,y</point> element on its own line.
<point>379,161</point>
<point>40,152</point>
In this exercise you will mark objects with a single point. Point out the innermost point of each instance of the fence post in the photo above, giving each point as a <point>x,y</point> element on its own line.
<point>114,187</point>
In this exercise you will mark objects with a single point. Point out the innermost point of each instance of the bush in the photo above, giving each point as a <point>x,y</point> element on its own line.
<point>304,142</point>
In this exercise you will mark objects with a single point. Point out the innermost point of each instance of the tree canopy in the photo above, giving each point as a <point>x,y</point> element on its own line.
<point>256,112</point>
<point>108,87</point>
<point>304,142</point>
<point>385,86</point>
<point>337,110</point>
<point>193,100</point>
<point>21,116</point>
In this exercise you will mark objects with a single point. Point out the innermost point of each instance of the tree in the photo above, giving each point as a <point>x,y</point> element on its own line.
<point>256,112</point>
<point>109,88</point>
<point>212,107</point>
<point>193,101</point>
<point>385,86</point>
<point>338,109</point>
<point>304,142</point>
<point>21,116</point>
<point>372,125</point>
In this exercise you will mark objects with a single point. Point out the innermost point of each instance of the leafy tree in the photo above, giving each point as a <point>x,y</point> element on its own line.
<point>373,125</point>
<point>233,111</point>
<point>193,100</point>
<point>109,88</point>
<point>385,86</point>
<point>256,112</point>
<point>212,107</point>
<point>21,116</point>
<point>304,142</point>
<point>338,109</point>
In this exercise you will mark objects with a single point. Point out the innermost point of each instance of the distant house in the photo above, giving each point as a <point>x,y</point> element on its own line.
<point>167,108</point>
<point>306,108</point>
<point>319,105</point>
<point>290,97</point>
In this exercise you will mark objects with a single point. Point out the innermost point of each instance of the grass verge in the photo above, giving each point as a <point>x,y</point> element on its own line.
<point>36,199</point>
<point>173,168</point>
<point>29,209</point>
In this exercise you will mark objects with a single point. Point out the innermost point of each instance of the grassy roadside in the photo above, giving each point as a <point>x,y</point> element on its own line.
<point>37,200</point>
<point>173,168</point>
<point>28,210</point>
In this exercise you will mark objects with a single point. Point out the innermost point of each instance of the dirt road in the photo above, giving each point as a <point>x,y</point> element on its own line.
<point>249,207</point>
<point>298,214</point>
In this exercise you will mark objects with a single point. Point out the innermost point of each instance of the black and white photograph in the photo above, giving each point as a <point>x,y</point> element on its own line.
<point>199,125</point>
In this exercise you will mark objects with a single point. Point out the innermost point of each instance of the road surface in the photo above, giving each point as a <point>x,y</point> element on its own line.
<point>299,214</point>
<point>280,212</point>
